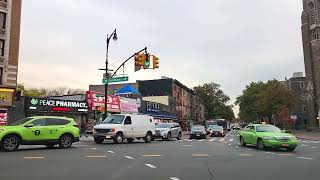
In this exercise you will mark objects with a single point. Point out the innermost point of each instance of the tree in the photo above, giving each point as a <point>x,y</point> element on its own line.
<point>264,100</point>
<point>214,101</point>
<point>46,92</point>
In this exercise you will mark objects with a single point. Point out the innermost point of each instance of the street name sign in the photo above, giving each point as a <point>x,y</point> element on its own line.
<point>115,79</point>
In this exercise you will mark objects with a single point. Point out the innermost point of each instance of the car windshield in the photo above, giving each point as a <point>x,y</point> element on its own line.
<point>197,128</point>
<point>20,122</point>
<point>163,126</point>
<point>217,128</point>
<point>268,128</point>
<point>113,119</point>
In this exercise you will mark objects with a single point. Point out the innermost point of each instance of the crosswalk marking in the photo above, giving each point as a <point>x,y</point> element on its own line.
<point>174,178</point>
<point>201,140</point>
<point>230,140</point>
<point>151,166</point>
<point>222,139</point>
<point>129,157</point>
<point>212,139</point>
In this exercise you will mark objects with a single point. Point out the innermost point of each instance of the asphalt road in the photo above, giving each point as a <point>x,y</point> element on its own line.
<point>213,158</point>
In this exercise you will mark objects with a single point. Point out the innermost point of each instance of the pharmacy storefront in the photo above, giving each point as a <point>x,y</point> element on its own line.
<point>56,107</point>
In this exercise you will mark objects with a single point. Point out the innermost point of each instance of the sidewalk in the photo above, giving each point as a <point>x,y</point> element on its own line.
<point>312,136</point>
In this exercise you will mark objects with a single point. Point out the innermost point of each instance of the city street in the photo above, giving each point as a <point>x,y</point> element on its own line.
<point>212,158</point>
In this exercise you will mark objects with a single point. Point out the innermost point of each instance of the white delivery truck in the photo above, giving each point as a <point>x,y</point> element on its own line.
<point>125,126</point>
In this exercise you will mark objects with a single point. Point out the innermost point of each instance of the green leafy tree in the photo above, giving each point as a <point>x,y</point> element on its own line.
<point>215,101</point>
<point>263,100</point>
<point>46,92</point>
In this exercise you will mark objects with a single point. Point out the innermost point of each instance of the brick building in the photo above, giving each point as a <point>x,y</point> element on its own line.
<point>181,99</point>
<point>310,28</point>
<point>10,16</point>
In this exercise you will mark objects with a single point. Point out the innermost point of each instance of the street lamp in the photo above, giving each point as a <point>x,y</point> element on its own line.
<point>114,37</point>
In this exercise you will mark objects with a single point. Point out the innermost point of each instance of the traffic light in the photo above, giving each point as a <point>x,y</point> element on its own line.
<point>137,65</point>
<point>146,62</point>
<point>155,62</point>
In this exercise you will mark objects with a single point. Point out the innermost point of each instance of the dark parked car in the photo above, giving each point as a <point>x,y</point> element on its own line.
<point>198,132</point>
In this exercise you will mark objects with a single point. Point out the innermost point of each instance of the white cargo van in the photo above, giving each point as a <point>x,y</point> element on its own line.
<point>125,126</point>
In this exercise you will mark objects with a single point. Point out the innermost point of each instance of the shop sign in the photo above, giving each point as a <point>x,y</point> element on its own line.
<point>3,117</point>
<point>128,105</point>
<point>6,97</point>
<point>153,107</point>
<point>54,105</point>
<point>96,101</point>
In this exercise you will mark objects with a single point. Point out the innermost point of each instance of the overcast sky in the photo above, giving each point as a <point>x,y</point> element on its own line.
<point>228,42</point>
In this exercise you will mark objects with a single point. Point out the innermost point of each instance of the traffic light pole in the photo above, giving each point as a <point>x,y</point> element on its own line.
<point>144,49</point>
<point>106,71</point>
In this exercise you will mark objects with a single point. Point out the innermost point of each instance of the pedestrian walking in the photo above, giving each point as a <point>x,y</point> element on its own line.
<point>83,130</point>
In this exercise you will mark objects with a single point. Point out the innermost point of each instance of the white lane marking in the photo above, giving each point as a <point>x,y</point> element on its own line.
<point>174,178</point>
<point>249,149</point>
<point>151,166</point>
<point>230,140</point>
<point>222,139</point>
<point>270,152</point>
<point>129,157</point>
<point>186,145</point>
<point>79,145</point>
<point>185,139</point>
<point>305,158</point>
<point>110,152</point>
<point>314,147</point>
<point>229,144</point>
<point>228,133</point>
<point>304,145</point>
<point>93,148</point>
<point>190,140</point>
<point>201,140</point>
<point>213,139</point>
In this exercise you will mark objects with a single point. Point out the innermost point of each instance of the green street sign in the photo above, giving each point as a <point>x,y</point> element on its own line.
<point>115,79</point>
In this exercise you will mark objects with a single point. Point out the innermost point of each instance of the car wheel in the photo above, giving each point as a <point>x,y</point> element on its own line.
<point>65,141</point>
<point>242,141</point>
<point>148,137</point>
<point>10,143</point>
<point>118,139</point>
<point>98,140</point>
<point>50,145</point>
<point>260,144</point>
<point>130,140</point>
<point>169,137</point>
<point>290,149</point>
<point>179,136</point>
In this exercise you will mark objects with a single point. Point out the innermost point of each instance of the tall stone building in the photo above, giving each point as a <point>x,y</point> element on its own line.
<point>311,47</point>
<point>10,15</point>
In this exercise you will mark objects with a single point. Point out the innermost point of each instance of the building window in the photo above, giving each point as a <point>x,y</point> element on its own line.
<point>2,45</point>
<point>301,85</point>
<point>304,108</point>
<point>312,14</point>
<point>1,75</point>
<point>3,20</point>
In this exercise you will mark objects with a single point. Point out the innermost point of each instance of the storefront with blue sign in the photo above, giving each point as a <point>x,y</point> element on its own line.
<point>160,112</point>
